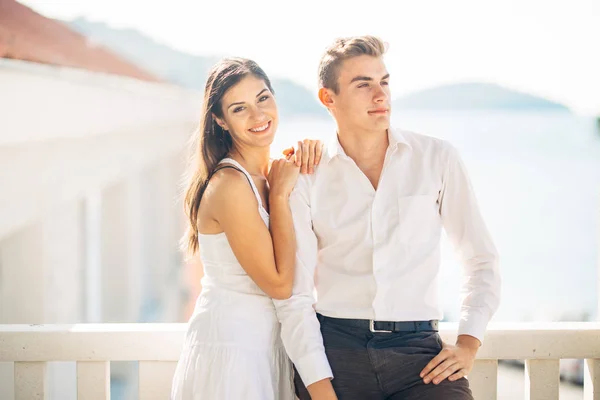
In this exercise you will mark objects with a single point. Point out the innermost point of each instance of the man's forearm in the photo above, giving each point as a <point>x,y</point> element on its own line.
<point>300,330</point>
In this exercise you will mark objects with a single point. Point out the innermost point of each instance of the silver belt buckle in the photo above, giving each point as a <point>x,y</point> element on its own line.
<point>372,328</point>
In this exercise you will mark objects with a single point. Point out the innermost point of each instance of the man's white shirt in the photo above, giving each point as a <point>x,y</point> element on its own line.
<point>375,254</point>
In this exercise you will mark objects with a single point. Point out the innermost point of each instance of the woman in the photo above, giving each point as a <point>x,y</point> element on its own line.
<point>239,215</point>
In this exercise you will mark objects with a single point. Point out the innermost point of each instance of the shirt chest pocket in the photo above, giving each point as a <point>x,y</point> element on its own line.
<point>418,219</point>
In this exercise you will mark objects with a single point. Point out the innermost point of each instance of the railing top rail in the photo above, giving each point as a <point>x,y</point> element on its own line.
<point>162,342</point>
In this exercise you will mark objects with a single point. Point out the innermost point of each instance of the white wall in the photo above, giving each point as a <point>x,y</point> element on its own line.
<point>64,132</point>
<point>89,208</point>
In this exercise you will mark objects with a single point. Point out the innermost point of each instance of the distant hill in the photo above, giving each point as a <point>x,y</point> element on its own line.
<point>474,96</point>
<point>185,69</point>
<point>190,71</point>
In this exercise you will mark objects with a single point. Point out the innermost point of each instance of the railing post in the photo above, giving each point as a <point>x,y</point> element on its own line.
<point>541,379</point>
<point>30,381</point>
<point>591,380</point>
<point>483,379</point>
<point>93,380</point>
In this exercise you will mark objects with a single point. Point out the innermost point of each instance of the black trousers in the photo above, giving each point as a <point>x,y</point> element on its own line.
<point>382,366</point>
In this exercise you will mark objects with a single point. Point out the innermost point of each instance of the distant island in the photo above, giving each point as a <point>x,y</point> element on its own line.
<point>294,99</point>
<point>475,96</point>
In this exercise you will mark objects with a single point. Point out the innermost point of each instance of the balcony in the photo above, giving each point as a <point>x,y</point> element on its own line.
<point>87,233</point>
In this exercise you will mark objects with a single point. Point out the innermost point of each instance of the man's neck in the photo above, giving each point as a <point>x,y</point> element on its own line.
<point>364,147</point>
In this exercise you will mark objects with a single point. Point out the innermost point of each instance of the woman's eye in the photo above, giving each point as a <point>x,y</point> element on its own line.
<point>238,109</point>
<point>263,98</point>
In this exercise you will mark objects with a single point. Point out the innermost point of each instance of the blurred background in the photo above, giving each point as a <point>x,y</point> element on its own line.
<point>99,98</point>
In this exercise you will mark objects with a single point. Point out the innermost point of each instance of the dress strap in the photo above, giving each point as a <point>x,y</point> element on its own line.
<point>236,165</point>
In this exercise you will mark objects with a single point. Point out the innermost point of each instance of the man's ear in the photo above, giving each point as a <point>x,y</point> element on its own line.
<point>220,122</point>
<point>326,98</point>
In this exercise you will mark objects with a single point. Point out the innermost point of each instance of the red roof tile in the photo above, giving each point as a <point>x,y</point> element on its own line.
<point>27,35</point>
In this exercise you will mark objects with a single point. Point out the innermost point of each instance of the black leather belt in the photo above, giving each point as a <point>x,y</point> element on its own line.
<point>385,326</point>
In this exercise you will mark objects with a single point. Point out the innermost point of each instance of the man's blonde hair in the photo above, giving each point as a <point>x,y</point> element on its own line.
<point>343,49</point>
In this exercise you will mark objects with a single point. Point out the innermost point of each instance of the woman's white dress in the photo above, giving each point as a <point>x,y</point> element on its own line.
<point>232,347</point>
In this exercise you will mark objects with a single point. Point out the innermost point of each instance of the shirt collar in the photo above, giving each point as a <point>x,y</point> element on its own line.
<point>395,138</point>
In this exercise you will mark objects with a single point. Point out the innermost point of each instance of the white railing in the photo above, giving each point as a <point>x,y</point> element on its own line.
<point>157,347</point>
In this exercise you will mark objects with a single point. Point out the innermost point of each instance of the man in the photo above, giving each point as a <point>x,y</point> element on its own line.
<point>368,226</point>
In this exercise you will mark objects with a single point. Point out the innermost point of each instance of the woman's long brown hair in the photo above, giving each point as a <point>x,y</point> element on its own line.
<point>211,142</point>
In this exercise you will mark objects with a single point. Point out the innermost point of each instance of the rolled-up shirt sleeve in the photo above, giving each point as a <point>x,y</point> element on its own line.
<point>465,227</point>
<point>300,329</point>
